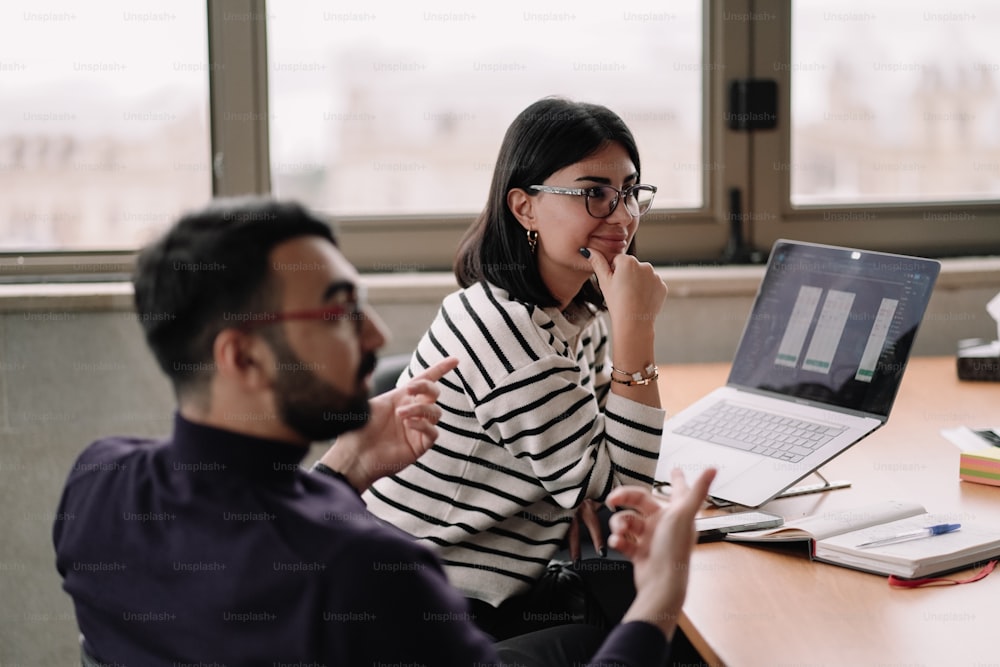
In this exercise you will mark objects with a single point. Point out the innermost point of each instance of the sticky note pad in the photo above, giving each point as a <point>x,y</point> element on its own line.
<point>981,466</point>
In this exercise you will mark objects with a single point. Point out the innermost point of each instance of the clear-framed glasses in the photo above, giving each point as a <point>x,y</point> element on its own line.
<point>352,308</point>
<point>602,200</point>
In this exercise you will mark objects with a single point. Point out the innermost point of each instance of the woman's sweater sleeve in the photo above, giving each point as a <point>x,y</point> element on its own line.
<point>546,400</point>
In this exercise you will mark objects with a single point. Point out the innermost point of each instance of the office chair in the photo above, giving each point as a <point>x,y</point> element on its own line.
<point>87,660</point>
<point>387,371</point>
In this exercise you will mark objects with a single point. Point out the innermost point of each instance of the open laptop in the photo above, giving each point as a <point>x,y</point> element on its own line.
<point>817,369</point>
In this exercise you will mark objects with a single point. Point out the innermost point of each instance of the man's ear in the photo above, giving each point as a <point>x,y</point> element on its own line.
<point>522,205</point>
<point>243,357</point>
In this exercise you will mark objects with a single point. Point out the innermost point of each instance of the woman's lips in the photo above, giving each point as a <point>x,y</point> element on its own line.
<point>618,243</point>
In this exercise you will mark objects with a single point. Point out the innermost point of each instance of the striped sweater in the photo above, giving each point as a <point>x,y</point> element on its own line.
<point>529,430</point>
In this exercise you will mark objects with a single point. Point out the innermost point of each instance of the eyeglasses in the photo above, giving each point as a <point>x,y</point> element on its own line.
<point>352,308</point>
<point>602,200</point>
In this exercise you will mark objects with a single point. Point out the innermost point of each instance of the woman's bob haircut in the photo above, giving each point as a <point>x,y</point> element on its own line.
<point>549,135</point>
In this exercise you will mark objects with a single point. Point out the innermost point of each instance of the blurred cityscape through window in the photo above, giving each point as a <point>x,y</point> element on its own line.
<point>104,135</point>
<point>895,101</point>
<point>393,108</point>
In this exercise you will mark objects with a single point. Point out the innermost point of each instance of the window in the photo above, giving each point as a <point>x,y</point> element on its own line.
<point>887,126</point>
<point>104,123</point>
<point>398,109</point>
<point>895,102</point>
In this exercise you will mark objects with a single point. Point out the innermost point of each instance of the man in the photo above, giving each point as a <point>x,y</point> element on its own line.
<point>214,547</point>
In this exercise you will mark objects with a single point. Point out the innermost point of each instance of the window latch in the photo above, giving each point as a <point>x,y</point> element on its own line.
<point>753,105</point>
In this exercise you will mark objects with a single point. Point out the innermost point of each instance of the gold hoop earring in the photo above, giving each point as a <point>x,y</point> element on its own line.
<point>532,240</point>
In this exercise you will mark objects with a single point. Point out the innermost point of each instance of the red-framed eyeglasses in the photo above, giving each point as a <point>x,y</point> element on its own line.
<point>352,309</point>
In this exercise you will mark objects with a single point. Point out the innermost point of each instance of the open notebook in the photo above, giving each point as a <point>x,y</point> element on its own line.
<point>834,538</point>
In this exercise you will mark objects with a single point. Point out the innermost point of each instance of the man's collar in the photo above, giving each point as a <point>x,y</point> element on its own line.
<point>201,448</point>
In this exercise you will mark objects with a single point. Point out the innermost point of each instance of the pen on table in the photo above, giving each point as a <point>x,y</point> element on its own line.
<point>929,531</point>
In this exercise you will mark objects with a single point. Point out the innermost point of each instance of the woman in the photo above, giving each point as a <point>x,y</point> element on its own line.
<point>536,418</point>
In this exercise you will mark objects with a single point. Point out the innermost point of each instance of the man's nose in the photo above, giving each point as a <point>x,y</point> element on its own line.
<point>374,333</point>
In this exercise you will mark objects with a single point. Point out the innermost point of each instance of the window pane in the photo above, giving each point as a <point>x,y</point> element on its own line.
<point>895,101</point>
<point>104,122</point>
<point>400,108</point>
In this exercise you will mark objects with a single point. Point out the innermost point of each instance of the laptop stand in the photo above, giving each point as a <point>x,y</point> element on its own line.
<point>806,489</point>
<point>803,490</point>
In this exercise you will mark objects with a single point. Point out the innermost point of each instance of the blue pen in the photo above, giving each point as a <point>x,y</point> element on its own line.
<point>929,531</point>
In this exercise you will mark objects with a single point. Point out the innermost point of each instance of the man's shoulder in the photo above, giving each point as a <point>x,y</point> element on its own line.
<point>342,511</point>
<point>348,517</point>
<point>355,534</point>
<point>112,453</point>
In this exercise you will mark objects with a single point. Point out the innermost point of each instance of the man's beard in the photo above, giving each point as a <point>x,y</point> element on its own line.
<point>311,406</point>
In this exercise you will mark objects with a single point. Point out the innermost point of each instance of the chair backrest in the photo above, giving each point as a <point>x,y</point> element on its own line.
<point>387,371</point>
<point>87,660</point>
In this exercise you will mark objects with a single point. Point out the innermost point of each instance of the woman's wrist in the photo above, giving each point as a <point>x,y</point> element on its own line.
<point>632,324</point>
<point>647,375</point>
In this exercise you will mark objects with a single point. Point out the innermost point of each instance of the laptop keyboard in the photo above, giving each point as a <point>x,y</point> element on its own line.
<point>767,433</point>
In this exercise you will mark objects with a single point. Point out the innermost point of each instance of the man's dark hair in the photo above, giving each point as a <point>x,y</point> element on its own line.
<point>550,134</point>
<point>209,272</point>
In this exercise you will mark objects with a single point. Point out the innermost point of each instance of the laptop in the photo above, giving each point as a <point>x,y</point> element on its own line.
<point>817,369</point>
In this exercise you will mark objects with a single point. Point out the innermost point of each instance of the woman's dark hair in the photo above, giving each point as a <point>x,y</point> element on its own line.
<point>550,134</point>
<point>207,273</point>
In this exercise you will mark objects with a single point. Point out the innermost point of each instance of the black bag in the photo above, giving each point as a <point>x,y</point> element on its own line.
<point>562,596</point>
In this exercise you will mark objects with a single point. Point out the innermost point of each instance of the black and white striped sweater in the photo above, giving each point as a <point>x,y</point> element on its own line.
<point>529,430</point>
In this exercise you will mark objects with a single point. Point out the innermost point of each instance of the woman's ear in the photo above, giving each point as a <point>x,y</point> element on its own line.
<point>522,205</point>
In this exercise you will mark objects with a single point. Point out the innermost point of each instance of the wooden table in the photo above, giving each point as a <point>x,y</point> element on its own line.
<point>750,605</point>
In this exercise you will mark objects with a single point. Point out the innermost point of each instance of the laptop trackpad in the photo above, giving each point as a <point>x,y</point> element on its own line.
<point>693,456</point>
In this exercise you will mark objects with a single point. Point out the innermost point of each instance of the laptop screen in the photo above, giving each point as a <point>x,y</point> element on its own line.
<point>834,325</point>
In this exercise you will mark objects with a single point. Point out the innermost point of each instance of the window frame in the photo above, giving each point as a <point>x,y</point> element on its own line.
<point>238,105</point>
